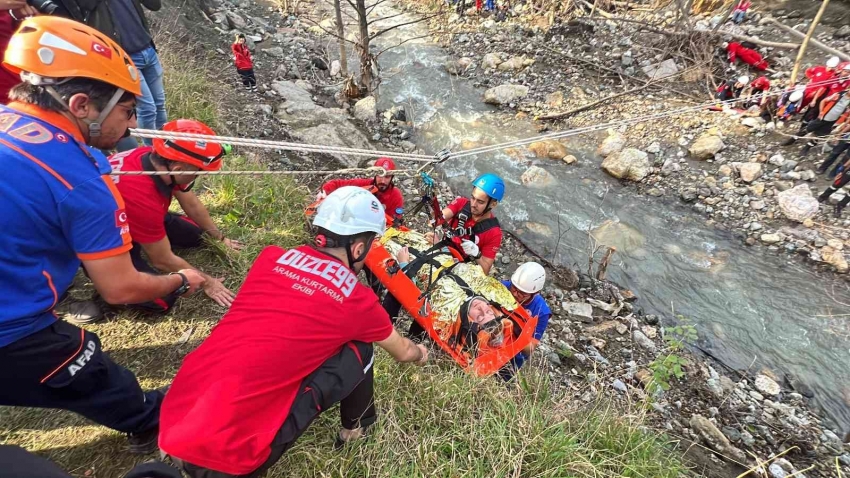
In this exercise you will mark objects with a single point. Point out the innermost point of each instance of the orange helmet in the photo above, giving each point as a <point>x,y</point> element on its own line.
<point>48,49</point>
<point>201,153</point>
<point>385,163</point>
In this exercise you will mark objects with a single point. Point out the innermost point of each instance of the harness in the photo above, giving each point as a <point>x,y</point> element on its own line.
<point>459,230</point>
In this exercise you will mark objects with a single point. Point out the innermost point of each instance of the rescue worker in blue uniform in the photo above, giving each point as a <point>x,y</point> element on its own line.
<point>60,208</point>
<point>525,285</point>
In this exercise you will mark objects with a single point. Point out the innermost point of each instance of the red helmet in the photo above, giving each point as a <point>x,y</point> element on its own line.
<point>385,163</point>
<point>199,153</point>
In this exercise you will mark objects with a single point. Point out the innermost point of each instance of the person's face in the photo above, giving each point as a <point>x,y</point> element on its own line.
<point>844,74</point>
<point>113,128</point>
<point>478,202</point>
<point>383,182</point>
<point>480,312</point>
<point>520,296</point>
<point>184,179</point>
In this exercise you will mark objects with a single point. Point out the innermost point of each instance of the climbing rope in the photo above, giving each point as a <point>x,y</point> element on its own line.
<point>270,144</point>
<point>445,155</point>
<point>375,170</point>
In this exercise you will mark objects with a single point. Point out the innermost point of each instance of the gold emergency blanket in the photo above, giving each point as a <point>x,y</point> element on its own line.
<point>447,296</point>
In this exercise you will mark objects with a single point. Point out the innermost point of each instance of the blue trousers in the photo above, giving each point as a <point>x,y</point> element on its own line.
<point>150,107</point>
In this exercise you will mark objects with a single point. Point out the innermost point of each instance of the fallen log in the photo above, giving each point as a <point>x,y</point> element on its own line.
<point>832,51</point>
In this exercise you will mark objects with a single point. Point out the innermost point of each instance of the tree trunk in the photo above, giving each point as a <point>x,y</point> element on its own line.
<point>805,43</point>
<point>340,32</point>
<point>365,56</point>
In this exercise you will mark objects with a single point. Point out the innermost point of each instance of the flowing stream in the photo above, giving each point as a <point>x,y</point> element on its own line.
<point>752,309</point>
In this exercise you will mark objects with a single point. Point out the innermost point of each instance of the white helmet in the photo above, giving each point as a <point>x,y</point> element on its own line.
<point>529,278</point>
<point>796,96</point>
<point>744,80</point>
<point>350,210</point>
<point>832,62</point>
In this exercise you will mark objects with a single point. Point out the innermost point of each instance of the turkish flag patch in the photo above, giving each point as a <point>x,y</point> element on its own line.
<point>120,218</point>
<point>101,50</point>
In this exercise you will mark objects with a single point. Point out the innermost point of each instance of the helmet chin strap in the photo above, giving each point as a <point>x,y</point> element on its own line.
<point>94,126</point>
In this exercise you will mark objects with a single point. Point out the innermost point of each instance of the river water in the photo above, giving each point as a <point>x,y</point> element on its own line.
<point>752,309</point>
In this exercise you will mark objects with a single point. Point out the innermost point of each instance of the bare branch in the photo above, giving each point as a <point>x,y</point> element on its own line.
<point>333,34</point>
<point>381,19</point>
<point>376,35</point>
<point>371,8</point>
<point>401,43</point>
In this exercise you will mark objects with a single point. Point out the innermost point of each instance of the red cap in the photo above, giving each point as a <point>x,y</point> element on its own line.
<point>385,163</point>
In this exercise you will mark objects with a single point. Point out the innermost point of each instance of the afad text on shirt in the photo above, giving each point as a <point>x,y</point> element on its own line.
<point>339,276</point>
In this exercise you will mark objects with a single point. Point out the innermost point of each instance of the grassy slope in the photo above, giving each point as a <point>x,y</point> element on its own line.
<point>435,421</point>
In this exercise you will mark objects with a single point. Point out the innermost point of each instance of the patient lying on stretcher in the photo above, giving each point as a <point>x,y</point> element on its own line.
<point>455,312</point>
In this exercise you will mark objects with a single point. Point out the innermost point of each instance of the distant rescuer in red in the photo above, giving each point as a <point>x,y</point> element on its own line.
<point>383,187</point>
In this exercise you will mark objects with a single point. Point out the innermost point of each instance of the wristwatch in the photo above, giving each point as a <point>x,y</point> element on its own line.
<point>184,287</point>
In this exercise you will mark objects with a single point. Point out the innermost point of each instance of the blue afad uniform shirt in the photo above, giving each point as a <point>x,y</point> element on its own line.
<point>59,206</point>
<point>537,307</point>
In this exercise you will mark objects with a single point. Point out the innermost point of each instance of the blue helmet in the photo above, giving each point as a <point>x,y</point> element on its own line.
<point>491,184</point>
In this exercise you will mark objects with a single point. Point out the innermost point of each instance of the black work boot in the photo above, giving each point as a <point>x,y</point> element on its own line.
<point>806,148</point>
<point>824,196</point>
<point>789,141</point>
<point>841,205</point>
<point>144,442</point>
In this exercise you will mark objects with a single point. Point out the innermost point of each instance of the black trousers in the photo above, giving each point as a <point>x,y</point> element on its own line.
<point>837,150</point>
<point>248,78</point>
<point>182,234</point>
<point>19,463</point>
<point>346,378</point>
<point>64,367</point>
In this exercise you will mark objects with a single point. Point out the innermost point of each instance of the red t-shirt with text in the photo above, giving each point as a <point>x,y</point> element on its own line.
<point>296,309</point>
<point>489,241</point>
<point>145,204</point>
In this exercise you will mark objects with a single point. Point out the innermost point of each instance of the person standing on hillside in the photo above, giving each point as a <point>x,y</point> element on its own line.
<point>244,63</point>
<point>60,209</point>
<point>740,12</point>
<point>297,340</point>
<point>125,23</point>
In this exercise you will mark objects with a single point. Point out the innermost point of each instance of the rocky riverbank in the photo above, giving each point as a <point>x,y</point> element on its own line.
<point>599,344</point>
<point>729,167</point>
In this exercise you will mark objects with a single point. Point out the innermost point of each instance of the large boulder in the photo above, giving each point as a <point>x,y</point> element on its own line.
<point>459,66</point>
<point>749,171</point>
<point>505,94</point>
<point>797,203</point>
<point>536,176</point>
<point>514,64</point>
<point>630,163</point>
<point>235,22</point>
<point>619,235</point>
<point>366,109</point>
<point>297,99</point>
<point>491,61</point>
<point>548,149</point>
<point>614,143</point>
<point>706,146</point>
<point>835,258</point>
